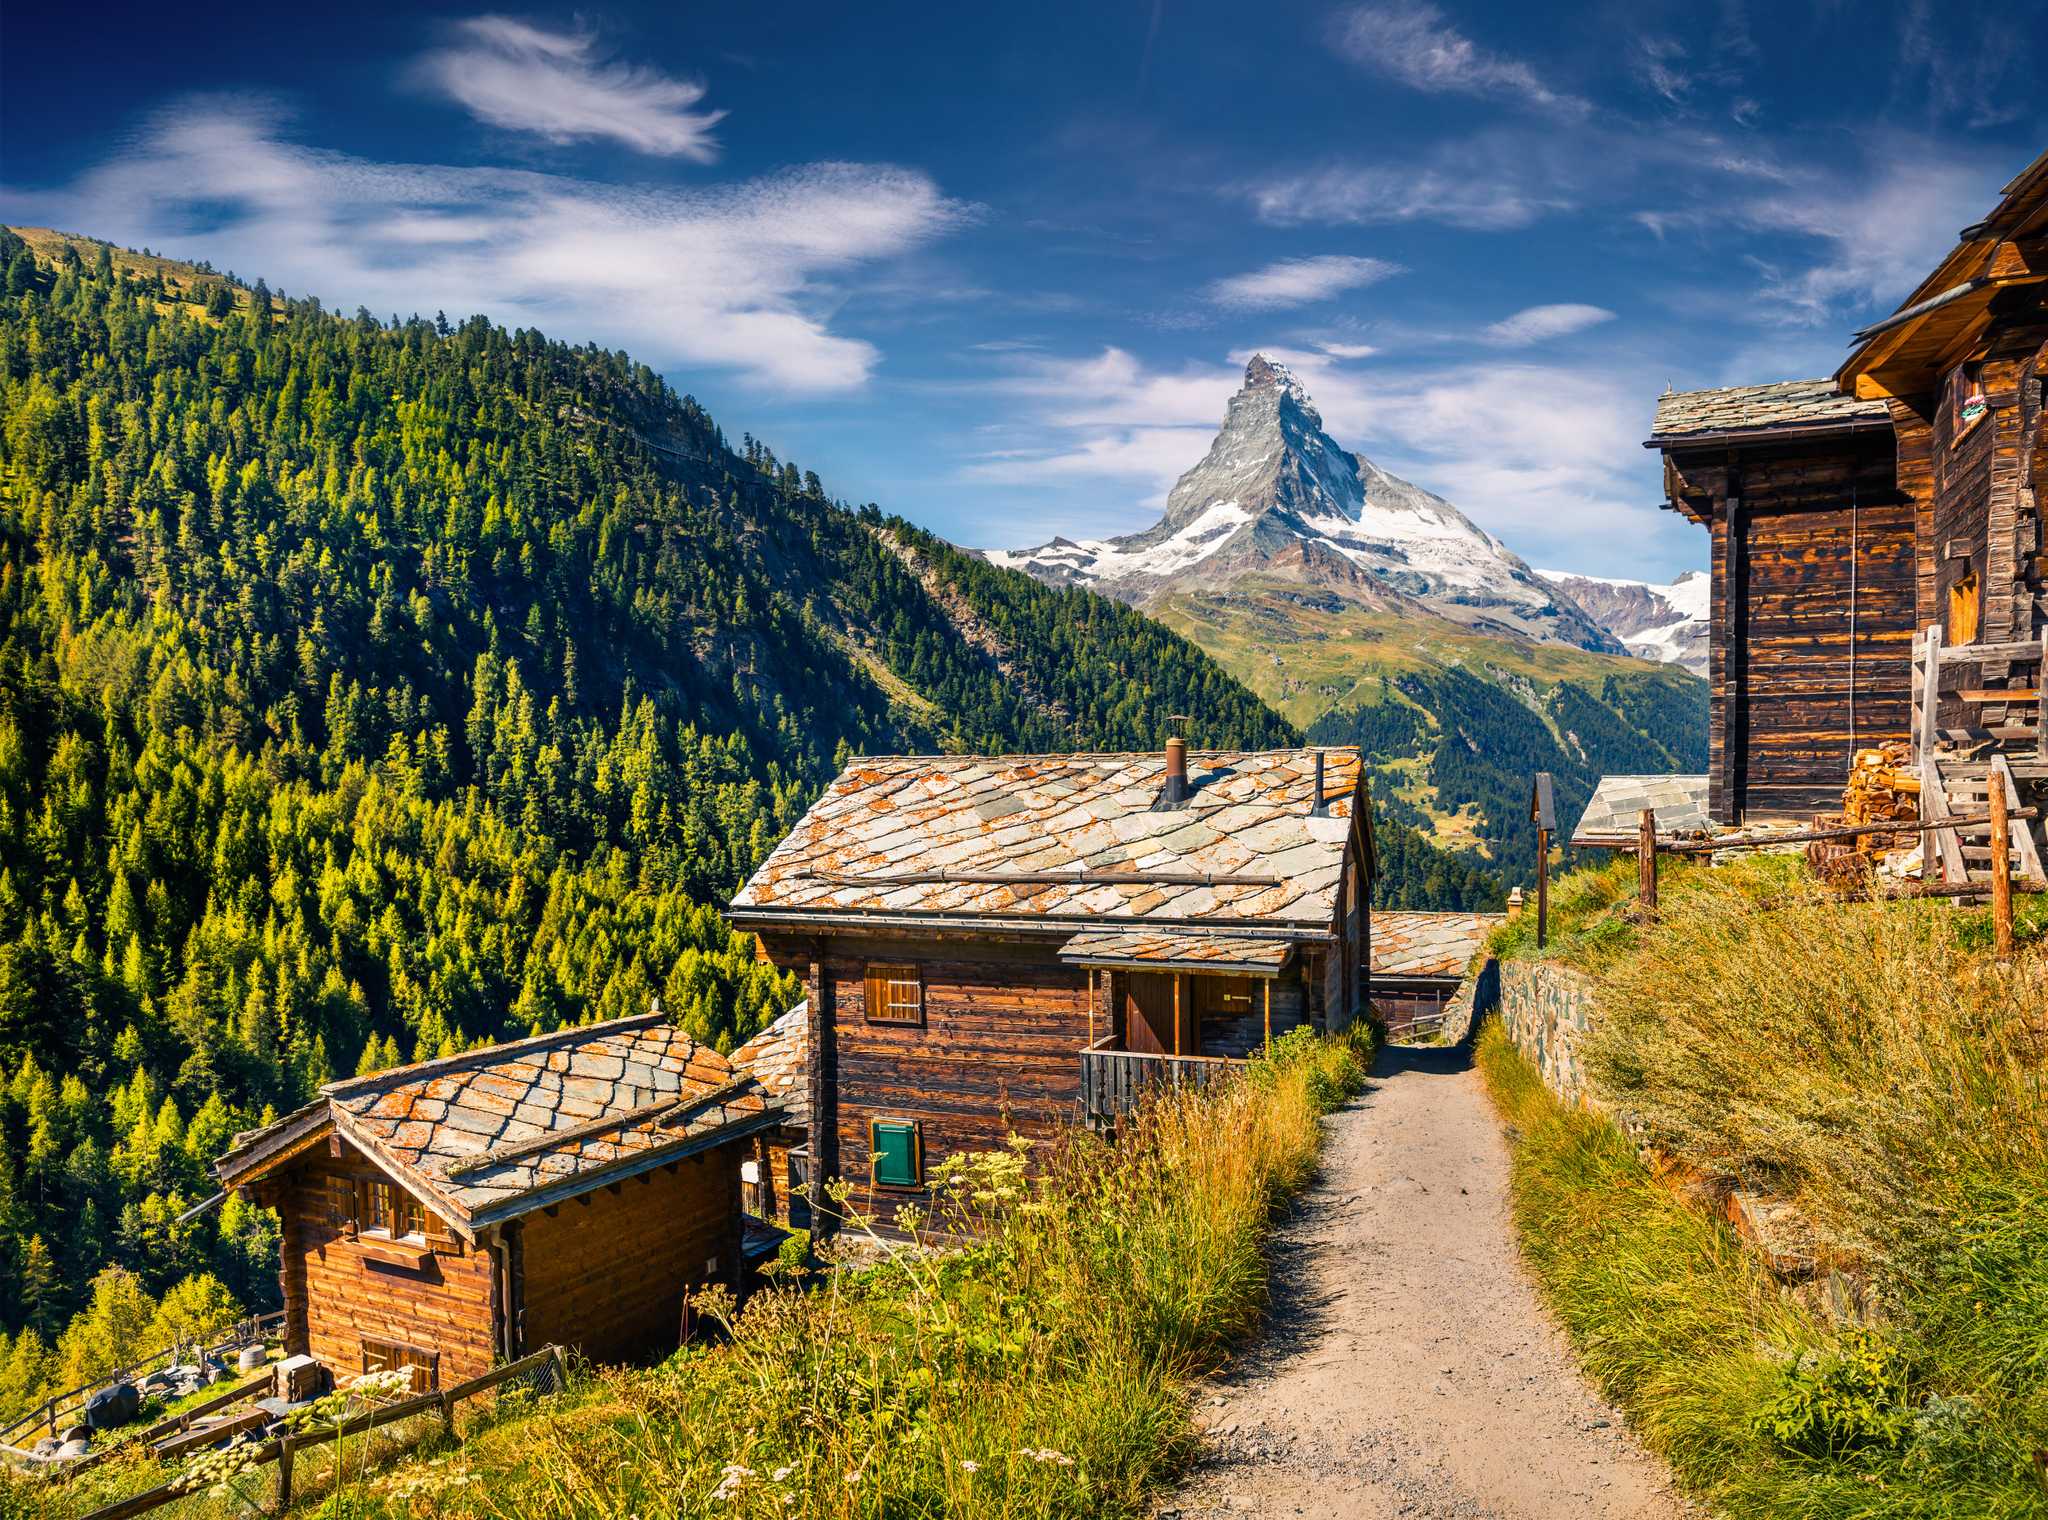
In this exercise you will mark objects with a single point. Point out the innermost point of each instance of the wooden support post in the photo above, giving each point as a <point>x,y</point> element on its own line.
<point>1646,860</point>
<point>284,1474</point>
<point>1091,1006</point>
<point>1269,1015</point>
<point>1930,694</point>
<point>2001,869</point>
<point>448,1415</point>
<point>1176,1012</point>
<point>1542,887</point>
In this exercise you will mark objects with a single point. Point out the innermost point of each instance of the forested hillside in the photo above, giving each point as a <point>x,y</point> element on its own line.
<point>1471,745</point>
<point>369,689</point>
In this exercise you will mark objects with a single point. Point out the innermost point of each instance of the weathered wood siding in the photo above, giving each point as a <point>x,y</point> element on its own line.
<point>1813,619</point>
<point>336,1296</point>
<point>606,1272</point>
<point>998,1052</point>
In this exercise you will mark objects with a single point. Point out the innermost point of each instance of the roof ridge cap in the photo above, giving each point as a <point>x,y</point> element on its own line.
<point>483,1055</point>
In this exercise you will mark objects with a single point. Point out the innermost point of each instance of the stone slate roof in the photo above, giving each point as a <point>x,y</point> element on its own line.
<point>779,1059</point>
<point>1427,944</point>
<point>1164,951</point>
<point>1612,816</point>
<point>948,836</point>
<point>1791,405</point>
<point>493,1133</point>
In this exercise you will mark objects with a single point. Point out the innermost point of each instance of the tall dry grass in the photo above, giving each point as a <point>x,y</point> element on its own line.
<point>1863,1060</point>
<point>1873,1064</point>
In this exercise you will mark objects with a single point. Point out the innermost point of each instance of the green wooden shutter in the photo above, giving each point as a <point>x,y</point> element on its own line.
<point>896,1152</point>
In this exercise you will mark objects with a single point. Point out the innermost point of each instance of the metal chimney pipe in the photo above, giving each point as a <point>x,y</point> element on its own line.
<point>1316,807</point>
<point>1176,769</point>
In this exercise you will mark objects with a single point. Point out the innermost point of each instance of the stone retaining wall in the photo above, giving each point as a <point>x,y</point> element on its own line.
<point>1476,997</point>
<point>1546,1010</point>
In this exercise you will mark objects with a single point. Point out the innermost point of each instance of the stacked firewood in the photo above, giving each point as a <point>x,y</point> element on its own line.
<point>1883,789</point>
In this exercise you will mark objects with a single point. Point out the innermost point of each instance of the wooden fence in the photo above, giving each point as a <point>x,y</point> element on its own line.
<point>1999,883</point>
<point>547,1365</point>
<point>71,1402</point>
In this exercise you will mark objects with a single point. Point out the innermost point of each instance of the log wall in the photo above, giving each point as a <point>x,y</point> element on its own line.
<point>1813,618</point>
<point>606,1272</point>
<point>337,1296</point>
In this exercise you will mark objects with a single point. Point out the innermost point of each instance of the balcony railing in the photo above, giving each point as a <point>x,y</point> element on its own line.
<point>1114,1082</point>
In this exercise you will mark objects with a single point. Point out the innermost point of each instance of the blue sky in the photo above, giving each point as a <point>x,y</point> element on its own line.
<point>999,267</point>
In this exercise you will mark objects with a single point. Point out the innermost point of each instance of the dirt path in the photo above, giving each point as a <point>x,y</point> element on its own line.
<point>1411,1370</point>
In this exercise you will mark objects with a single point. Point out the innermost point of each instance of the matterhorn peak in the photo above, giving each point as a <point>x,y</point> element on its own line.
<point>1264,371</point>
<point>1277,496</point>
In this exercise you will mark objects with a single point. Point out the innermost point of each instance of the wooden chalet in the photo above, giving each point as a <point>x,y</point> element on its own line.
<point>564,1189</point>
<point>1004,944</point>
<point>1878,567</point>
<point>1419,963</point>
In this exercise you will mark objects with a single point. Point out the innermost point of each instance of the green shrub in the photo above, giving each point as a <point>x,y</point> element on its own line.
<point>1834,1399</point>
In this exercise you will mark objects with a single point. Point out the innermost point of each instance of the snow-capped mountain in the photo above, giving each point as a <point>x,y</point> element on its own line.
<point>1668,623</point>
<point>1276,496</point>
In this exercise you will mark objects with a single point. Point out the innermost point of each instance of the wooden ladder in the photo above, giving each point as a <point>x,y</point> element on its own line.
<point>1956,766</point>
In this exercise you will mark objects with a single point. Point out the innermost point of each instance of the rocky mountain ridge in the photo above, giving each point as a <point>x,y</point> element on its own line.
<point>1667,623</point>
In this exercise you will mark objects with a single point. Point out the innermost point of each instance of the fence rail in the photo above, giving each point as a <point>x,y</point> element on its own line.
<point>246,1332</point>
<point>1114,1082</point>
<point>282,1449</point>
<point>1999,883</point>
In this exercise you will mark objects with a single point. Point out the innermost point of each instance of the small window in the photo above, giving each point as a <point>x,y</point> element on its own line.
<point>394,1211</point>
<point>896,1152</point>
<point>895,995</point>
<point>1971,402</point>
<point>1965,604</point>
<point>384,1356</point>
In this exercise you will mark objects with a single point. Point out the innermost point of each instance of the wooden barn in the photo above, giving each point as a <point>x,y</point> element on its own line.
<point>565,1189</point>
<point>1812,602</point>
<point>1877,538</point>
<point>1005,944</point>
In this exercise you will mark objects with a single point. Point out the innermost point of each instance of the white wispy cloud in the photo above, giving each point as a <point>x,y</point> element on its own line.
<point>742,276</point>
<point>1490,181</point>
<point>1412,43</point>
<point>555,84</point>
<point>1300,282</point>
<point>1538,324</point>
<point>1882,225</point>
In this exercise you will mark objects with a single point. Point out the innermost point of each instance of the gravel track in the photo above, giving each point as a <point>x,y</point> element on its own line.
<point>1409,1368</point>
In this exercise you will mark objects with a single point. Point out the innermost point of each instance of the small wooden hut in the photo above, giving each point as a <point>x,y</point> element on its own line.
<point>1419,961</point>
<point>565,1189</point>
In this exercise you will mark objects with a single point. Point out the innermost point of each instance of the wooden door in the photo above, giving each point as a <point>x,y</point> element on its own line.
<point>1149,1013</point>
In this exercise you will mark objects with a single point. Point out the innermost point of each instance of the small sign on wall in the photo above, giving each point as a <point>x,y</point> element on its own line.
<point>750,1172</point>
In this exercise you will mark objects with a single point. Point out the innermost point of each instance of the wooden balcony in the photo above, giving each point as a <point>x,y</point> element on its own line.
<point>1114,1082</point>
